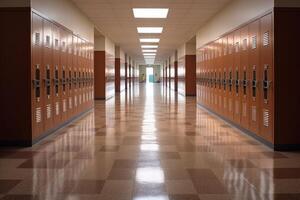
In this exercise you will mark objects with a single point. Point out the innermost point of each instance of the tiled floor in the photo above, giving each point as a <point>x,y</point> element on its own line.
<point>149,144</point>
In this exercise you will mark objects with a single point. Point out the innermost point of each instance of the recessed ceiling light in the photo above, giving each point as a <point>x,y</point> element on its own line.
<point>150,12</point>
<point>149,40</point>
<point>149,57</point>
<point>149,54</point>
<point>149,46</point>
<point>149,50</point>
<point>149,29</point>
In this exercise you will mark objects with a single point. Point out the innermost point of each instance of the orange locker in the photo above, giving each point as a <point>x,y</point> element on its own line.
<point>230,69</point>
<point>245,74</point>
<point>254,65</point>
<point>225,76</point>
<point>75,75</point>
<point>37,72</point>
<point>266,71</point>
<point>70,76</point>
<point>237,75</point>
<point>48,74</point>
<point>63,72</point>
<point>56,90</point>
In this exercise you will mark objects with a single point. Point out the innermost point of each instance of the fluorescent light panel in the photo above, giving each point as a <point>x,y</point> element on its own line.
<point>149,29</point>
<point>150,12</point>
<point>149,54</point>
<point>150,40</point>
<point>149,46</point>
<point>149,50</point>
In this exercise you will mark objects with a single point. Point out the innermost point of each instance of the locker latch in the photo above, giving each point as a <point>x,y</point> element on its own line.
<point>230,82</point>
<point>266,83</point>
<point>254,82</point>
<point>37,82</point>
<point>48,81</point>
<point>56,80</point>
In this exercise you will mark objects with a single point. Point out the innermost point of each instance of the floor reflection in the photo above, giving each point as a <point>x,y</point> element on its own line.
<point>149,143</point>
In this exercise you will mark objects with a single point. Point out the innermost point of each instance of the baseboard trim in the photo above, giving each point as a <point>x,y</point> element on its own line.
<point>29,143</point>
<point>275,147</point>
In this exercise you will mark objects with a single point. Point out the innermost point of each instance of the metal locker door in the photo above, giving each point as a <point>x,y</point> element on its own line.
<point>75,75</point>
<point>70,76</point>
<point>245,83</point>
<point>225,74</point>
<point>230,65</point>
<point>63,77</point>
<point>56,76</point>
<point>266,64</point>
<point>237,75</point>
<point>48,74</point>
<point>37,71</point>
<point>254,66</point>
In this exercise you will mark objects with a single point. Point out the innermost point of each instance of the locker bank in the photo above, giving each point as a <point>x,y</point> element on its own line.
<point>136,100</point>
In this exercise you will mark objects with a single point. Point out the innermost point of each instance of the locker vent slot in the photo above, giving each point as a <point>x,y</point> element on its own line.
<point>48,109</point>
<point>63,46</point>
<point>79,99</point>
<point>220,101</point>
<point>266,117</point>
<point>64,105</point>
<point>37,38</point>
<point>38,115</point>
<point>70,103</point>
<point>253,113</point>
<point>57,108</point>
<point>266,38</point>
<point>254,42</point>
<point>47,41</point>
<point>237,47</point>
<point>244,110</point>
<point>56,43</point>
<point>225,103</point>
<point>244,44</point>
<point>237,110</point>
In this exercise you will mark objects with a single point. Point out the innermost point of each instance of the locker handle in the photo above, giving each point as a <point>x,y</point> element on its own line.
<point>36,83</point>
<point>245,83</point>
<point>237,83</point>
<point>254,84</point>
<point>47,82</point>
<point>266,84</point>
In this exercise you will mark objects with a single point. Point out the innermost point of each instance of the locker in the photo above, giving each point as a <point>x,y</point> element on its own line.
<point>48,75</point>
<point>70,76</point>
<point>254,65</point>
<point>266,86</point>
<point>237,75</point>
<point>56,90</point>
<point>75,75</point>
<point>225,76</point>
<point>37,71</point>
<point>230,70</point>
<point>63,79</point>
<point>245,74</point>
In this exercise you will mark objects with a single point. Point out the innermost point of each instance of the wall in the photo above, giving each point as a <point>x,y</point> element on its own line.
<point>156,73</point>
<point>287,3</point>
<point>142,78</point>
<point>103,44</point>
<point>66,13</point>
<point>234,14</point>
<point>15,3</point>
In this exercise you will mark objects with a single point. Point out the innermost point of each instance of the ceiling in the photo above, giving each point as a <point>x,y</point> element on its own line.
<point>114,18</point>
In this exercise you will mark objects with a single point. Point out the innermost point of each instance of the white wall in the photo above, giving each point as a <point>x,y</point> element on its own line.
<point>99,44</point>
<point>104,44</point>
<point>66,13</point>
<point>234,14</point>
<point>109,46</point>
<point>181,51</point>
